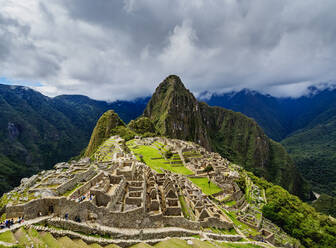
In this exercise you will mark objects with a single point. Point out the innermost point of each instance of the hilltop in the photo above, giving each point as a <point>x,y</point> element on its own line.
<point>176,113</point>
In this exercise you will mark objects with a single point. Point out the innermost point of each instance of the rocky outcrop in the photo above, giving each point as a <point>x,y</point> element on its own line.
<point>176,113</point>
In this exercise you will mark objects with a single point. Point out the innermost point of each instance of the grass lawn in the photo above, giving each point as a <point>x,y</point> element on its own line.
<point>140,245</point>
<point>203,184</point>
<point>8,237</point>
<point>149,152</point>
<point>50,240</point>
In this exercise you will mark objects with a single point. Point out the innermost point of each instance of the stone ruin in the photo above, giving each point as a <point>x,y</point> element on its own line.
<point>122,192</point>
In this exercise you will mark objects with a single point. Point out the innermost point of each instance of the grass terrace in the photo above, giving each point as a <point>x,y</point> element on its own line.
<point>7,236</point>
<point>232,231</point>
<point>192,154</point>
<point>187,212</point>
<point>230,203</point>
<point>242,226</point>
<point>160,146</point>
<point>152,157</point>
<point>203,184</point>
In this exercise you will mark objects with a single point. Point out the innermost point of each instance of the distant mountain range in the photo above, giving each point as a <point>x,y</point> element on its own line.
<point>37,131</point>
<point>306,126</point>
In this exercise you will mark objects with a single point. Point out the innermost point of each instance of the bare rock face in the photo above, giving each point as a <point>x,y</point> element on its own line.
<point>176,113</point>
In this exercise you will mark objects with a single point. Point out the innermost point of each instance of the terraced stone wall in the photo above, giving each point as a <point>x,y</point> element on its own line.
<point>74,181</point>
<point>86,187</point>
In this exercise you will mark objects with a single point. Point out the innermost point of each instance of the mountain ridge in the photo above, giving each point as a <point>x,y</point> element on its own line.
<point>304,125</point>
<point>177,114</point>
<point>37,131</point>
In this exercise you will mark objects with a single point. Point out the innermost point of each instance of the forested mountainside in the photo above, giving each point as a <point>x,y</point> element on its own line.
<point>37,131</point>
<point>176,113</point>
<point>305,126</point>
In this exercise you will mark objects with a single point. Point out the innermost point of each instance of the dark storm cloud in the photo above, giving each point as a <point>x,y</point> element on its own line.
<point>123,49</point>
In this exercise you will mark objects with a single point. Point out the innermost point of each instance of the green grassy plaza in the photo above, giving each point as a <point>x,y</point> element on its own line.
<point>152,157</point>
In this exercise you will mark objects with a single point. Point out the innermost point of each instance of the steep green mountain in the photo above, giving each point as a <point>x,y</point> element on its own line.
<point>313,148</point>
<point>37,131</point>
<point>279,117</point>
<point>34,134</point>
<point>176,113</point>
<point>306,126</point>
<point>108,124</point>
<point>264,109</point>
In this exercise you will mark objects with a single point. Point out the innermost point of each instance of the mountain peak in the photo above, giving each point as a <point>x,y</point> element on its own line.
<point>172,82</point>
<point>173,79</point>
<point>104,128</point>
<point>176,113</point>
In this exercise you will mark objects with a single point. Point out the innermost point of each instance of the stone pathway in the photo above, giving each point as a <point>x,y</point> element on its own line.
<point>25,223</point>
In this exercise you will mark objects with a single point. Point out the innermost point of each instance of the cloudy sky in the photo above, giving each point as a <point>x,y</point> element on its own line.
<point>122,49</point>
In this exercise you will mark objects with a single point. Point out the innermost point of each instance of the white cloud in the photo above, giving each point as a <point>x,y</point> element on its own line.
<point>122,49</point>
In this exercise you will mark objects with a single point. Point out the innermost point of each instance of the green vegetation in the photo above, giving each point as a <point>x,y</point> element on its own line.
<point>8,237</point>
<point>174,242</point>
<point>37,131</point>
<point>299,219</point>
<point>313,150</point>
<point>295,217</point>
<point>148,153</point>
<point>23,237</point>
<point>142,126</point>
<point>187,212</point>
<point>140,245</point>
<point>242,226</point>
<point>230,203</point>
<point>205,185</point>
<point>108,124</point>
<point>49,240</point>
<point>326,204</point>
